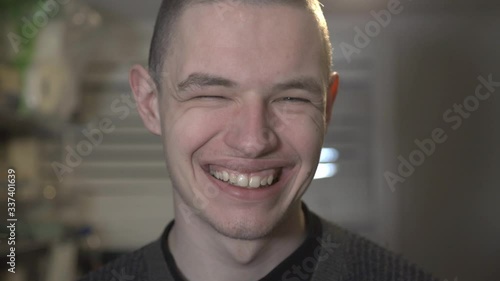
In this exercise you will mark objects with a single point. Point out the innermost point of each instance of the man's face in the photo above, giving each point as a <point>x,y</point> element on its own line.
<point>243,113</point>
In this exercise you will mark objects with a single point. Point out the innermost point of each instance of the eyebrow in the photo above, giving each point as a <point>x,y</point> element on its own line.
<point>302,83</point>
<point>200,80</point>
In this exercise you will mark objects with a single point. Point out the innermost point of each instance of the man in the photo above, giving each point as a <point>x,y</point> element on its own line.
<point>241,98</point>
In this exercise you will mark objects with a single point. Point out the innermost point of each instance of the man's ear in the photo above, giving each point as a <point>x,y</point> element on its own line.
<point>331,95</point>
<point>146,97</point>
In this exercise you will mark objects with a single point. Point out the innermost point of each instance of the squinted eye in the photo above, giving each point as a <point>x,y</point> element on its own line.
<point>292,99</point>
<point>210,97</point>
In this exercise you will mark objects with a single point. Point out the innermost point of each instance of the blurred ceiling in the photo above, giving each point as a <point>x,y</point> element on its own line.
<point>144,10</point>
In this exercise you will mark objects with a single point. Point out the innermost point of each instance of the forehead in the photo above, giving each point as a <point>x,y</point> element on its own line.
<point>251,43</point>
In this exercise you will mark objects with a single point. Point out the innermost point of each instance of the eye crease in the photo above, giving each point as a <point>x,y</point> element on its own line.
<point>297,100</point>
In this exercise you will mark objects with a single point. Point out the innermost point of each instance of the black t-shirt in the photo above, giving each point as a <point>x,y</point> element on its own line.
<point>291,265</point>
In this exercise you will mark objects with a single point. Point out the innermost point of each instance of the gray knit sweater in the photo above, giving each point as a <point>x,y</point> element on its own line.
<point>341,256</point>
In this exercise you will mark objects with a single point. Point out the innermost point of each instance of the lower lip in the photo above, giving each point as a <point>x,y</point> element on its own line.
<point>247,194</point>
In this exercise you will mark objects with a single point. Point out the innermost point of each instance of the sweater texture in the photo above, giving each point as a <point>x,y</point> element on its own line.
<point>341,256</point>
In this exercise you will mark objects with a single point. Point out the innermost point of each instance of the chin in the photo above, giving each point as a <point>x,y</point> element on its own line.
<point>244,227</point>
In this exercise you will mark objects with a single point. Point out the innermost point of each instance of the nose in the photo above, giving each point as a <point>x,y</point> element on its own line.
<point>250,132</point>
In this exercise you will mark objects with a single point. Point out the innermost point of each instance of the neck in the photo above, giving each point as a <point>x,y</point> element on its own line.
<point>198,255</point>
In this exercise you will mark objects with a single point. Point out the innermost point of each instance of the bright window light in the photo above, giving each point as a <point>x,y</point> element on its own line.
<point>327,167</point>
<point>329,155</point>
<point>326,170</point>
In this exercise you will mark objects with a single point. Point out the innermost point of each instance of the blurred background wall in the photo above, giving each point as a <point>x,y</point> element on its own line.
<point>405,69</point>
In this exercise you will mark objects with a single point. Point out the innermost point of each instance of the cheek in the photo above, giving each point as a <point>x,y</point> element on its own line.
<point>303,129</point>
<point>185,132</point>
<point>188,130</point>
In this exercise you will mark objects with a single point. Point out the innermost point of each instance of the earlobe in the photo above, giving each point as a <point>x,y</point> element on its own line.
<point>331,95</point>
<point>146,97</point>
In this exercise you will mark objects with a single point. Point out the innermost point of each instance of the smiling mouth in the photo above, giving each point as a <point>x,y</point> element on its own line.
<point>247,180</point>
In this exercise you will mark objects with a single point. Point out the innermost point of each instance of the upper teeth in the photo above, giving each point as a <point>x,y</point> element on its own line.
<point>242,179</point>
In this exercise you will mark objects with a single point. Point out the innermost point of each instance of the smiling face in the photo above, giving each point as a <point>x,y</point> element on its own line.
<point>242,114</point>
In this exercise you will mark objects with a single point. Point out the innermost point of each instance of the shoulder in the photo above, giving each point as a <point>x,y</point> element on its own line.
<point>353,257</point>
<point>132,266</point>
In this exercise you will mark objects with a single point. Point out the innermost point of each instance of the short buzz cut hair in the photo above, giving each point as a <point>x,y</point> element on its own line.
<point>171,10</point>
